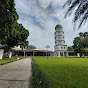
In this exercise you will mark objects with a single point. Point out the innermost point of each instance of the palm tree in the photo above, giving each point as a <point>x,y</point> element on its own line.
<point>81,11</point>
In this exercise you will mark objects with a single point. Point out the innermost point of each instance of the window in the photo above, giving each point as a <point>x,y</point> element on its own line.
<point>64,47</point>
<point>58,31</point>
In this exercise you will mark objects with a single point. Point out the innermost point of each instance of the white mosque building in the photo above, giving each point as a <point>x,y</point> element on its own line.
<point>60,47</point>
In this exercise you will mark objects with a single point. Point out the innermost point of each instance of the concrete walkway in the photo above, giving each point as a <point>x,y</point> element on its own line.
<point>16,74</point>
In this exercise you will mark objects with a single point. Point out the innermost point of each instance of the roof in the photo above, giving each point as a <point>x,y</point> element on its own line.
<point>30,49</point>
<point>31,46</point>
<point>38,49</point>
<point>18,49</point>
<point>58,26</point>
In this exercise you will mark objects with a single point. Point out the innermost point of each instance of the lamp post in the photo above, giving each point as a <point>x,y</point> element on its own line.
<point>47,46</point>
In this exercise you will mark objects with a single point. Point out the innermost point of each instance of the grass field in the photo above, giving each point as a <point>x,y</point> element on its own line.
<point>65,72</point>
<point>7,60</point>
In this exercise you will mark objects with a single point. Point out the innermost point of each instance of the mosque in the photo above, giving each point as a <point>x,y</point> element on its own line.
<point>60,47</point>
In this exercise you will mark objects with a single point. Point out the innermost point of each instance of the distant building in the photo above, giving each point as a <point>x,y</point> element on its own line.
<point>31,50</point>
<point>60,47</point>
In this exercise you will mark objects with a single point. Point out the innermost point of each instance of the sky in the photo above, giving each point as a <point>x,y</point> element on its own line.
<point>41,16</point>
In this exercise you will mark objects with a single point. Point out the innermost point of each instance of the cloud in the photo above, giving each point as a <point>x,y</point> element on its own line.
<point>40,17</point>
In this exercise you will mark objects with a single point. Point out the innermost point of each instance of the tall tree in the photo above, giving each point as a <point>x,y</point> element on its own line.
<point>81,10</point>
<point>85,34</point>
<point>11,33</point>
<point>8,16</point>
<point>17,36</point>
<point>81,35</point>
<point>23,35</point>
<point>80,43</point>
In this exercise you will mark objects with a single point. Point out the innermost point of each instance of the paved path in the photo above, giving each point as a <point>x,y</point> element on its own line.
<point>16,74</point>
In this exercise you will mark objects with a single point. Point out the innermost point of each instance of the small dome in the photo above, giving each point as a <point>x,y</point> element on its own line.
<point>58,26</point>
<point>31,46</point>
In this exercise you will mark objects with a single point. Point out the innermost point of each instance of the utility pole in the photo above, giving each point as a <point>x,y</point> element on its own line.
<point>47,46</point>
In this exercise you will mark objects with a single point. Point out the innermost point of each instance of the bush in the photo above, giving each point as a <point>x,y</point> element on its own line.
<point>39,78</point>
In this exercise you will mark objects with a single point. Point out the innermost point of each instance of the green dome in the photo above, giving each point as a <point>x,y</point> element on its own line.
<point>31,46</point>
<point>58,26</point>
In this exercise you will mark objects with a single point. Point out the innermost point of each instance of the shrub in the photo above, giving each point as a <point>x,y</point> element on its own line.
<point>40,80</point>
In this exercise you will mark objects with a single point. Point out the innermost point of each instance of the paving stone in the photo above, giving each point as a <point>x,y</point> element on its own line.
<point>16,74</point>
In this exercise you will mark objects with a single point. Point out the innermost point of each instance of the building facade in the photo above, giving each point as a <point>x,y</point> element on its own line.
<point>31,50</point>
<point>60,47</point>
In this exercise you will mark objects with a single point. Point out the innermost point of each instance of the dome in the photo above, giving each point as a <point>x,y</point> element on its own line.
<point>32,46</point>
<point>58,26</point>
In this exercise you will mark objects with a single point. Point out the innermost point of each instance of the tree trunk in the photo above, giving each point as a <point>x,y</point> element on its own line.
<point>10,53</point>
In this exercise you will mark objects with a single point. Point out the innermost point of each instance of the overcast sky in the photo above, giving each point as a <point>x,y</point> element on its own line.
<point>41,16</point>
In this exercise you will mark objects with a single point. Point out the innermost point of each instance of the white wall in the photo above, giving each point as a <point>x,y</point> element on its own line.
<point>1,53</point>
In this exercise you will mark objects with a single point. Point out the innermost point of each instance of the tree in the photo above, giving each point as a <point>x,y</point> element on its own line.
<point>8,16</point>
<point>85,34</point>
<point>23,35</point>
<point>86,42</point>
<point>11,32</point>
<point>70,48</point>
<point>80,43</point>
<point>81,11</point>
<point>81,35</point>
<point>79,48</point>
<point>17,36</point>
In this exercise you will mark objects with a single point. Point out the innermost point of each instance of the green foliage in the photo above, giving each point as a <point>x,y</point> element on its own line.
<point>65,72</point>
<point>80,43</point>
<point>81,12</point>
<point>39,78</point>
<point>22,35</point>
<point>70,48</point>
<point>16,36</point>
<point>11,32</point>
<point>8,16</point>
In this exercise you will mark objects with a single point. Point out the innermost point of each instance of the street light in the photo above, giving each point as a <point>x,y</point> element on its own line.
<point>47,46</point>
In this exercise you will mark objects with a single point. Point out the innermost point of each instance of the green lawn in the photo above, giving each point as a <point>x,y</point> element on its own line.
<point>7,60</point>
<point>65,72</point>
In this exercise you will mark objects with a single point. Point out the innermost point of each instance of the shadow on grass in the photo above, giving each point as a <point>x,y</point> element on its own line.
<point>39,79</point>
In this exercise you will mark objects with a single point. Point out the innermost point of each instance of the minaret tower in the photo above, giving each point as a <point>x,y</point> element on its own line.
<point>60,47</point>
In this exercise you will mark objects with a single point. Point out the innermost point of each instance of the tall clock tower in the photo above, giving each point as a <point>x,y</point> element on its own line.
<point>60,47</point>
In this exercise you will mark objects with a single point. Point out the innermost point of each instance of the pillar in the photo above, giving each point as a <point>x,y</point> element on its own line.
<point>33,53</point>
<point>1,53</point>
<point>24,53</point>
<point>10,54</point>
<point>59,54</point>
<point>67,54</point>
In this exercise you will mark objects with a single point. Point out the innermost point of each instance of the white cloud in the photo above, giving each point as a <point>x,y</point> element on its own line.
<point>40,17</point>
